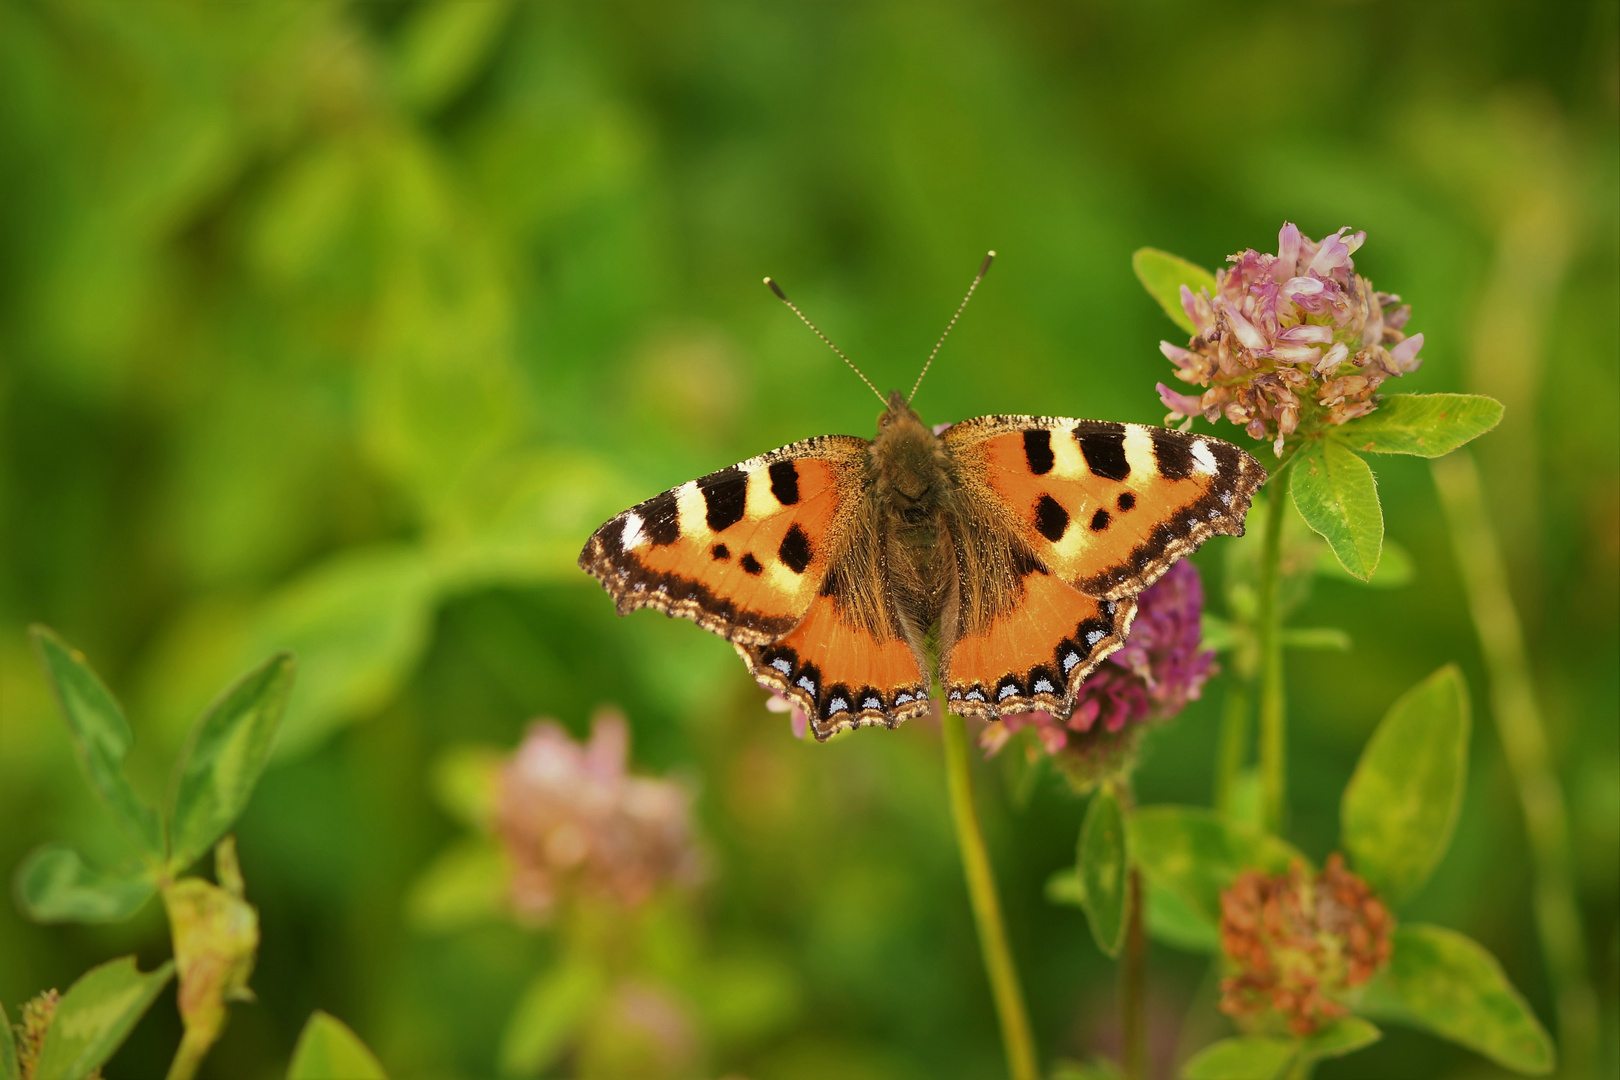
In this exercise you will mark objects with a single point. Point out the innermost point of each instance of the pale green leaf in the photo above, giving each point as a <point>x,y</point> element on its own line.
<point>468,883</point>
<point>1340,1038</point>
<point>1163,274</point>
<point>464,783</point>
<point>101,736</point>
<point>1251,1057</point>
<point>1394,567</point>
<point>746,996</point>
<point>1401,804</point>
<point>1316,638</point>
<point>1102,869</point>
<point>223,759</point>
<point>549,1015</point>
<point>1064,887</point>
<point>1335,493</point>
<point>1428,425</point>
<point>328,1050</point>
<point>1195,854</point>
<point>95,1016</point>
<point>54,885</point>
<point>1448,984</point>
<point>442,46</point>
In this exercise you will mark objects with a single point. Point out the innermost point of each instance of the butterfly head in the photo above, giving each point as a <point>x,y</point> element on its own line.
<point>906,453</point>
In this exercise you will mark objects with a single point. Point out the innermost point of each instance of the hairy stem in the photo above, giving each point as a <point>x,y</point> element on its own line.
<point>1133,982</point>
<point>1273,732</point>
<point>1524,743</point>
<point>998,959</point>
<point>193,1048</point>
<point>1234,745</point>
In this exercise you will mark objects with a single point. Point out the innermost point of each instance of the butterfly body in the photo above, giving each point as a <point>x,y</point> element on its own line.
<point>1005,552</point>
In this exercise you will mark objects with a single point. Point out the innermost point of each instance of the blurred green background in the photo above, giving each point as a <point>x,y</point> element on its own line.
<point>339,326</point>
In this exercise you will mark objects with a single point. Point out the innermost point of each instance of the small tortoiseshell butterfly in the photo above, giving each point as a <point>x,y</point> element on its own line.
<point>1012,548</point>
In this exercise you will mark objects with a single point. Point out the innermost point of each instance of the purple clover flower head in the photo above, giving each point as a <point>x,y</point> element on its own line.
<point>1298,331</point>
<point>1154,674</point>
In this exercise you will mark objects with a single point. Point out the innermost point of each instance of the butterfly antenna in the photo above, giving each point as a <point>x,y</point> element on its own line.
<point>984,268</point>
<point>782,296</point>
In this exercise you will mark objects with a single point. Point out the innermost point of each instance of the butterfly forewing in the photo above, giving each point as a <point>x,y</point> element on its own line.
<point>1105,506</point>
<point>742,551</point>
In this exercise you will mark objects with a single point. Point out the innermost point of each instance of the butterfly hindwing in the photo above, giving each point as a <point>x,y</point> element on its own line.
<point>742,551</point>
<point>1036,652</point>
<point>1105,506</point>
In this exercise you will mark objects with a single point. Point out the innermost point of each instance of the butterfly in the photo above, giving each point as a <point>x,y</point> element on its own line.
<point>1006,552</point>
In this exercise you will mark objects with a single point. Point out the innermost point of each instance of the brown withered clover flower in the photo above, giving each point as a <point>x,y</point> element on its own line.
<point>1289,333</point>
<point>1295,944</point>
<point>574,822</point>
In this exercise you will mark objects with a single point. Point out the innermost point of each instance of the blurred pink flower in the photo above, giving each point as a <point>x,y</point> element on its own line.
<point>1153,675</point>
<point>796,716</point>
<point>574,822</point>
<point>1288,331</point>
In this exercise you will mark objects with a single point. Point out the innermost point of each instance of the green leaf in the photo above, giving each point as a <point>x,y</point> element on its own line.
<point>1163,274</point>
<point>468,883</point>
<point>1101,869</point>
<point>1401,804</point>
<point>95,1016</point>
<point>464,781</point>
<point>1099,1068</point>
<point>1394,567</point>
<point>328,1049</point>
<point>1340,1038</point>
<point>1252,1057</point>
<point>1324,638</point>
<point>442,46</point>
<point>1335,493</point>
<point>1428,425</point>
<point>100,734</point>
<point>1194,853</point>
<point>1064,888</point>
<point>54,885</point>
<point>549,1015</point>
<point>1172,920</point>
<point>9,1069</point>
<point>1447,984</point>
<point>222,761</point>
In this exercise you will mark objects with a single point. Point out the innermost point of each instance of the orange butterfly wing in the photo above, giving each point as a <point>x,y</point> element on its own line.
<point>1104,509</point>
<point>1106,506</point>
<point>746,553</point>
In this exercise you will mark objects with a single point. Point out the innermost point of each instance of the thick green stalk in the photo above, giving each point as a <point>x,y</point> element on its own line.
<point>193,1048</point>
<point>998,959</point>
<point>1273,732</point>
<point>1524,743</point>
<point>1133,982</point>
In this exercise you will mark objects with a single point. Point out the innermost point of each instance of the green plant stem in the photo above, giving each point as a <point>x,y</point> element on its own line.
<point>1234,745</point>
<point>998,959</point>
<point>193,1048</point>
<point>1523,736</point>
<point>1133,982</point>
<point>1273,731</point>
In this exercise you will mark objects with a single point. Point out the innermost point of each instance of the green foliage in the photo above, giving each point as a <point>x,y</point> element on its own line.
<point>96,1015</point>
<point>9,1069</point>
<point>1163,274</point>
<point>1335,493</point>
<point>1102,869</point>
<point>1339,1038</point>
<point>466,883</point>
<point>549,1016</point>
<point>1194,854</point>
<point>1249,1057</point>
<point>55,885</point>
<point>101,735</point>
<point>1401,806</point>
<point>222,762</point>
<point>1445,983</point>
<point>1428,425</point>
<point>328,1049</point>
<point>1096,1069</point>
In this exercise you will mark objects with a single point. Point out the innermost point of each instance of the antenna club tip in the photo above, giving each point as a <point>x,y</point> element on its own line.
<point>777,289</point>
<point>991,255</point>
